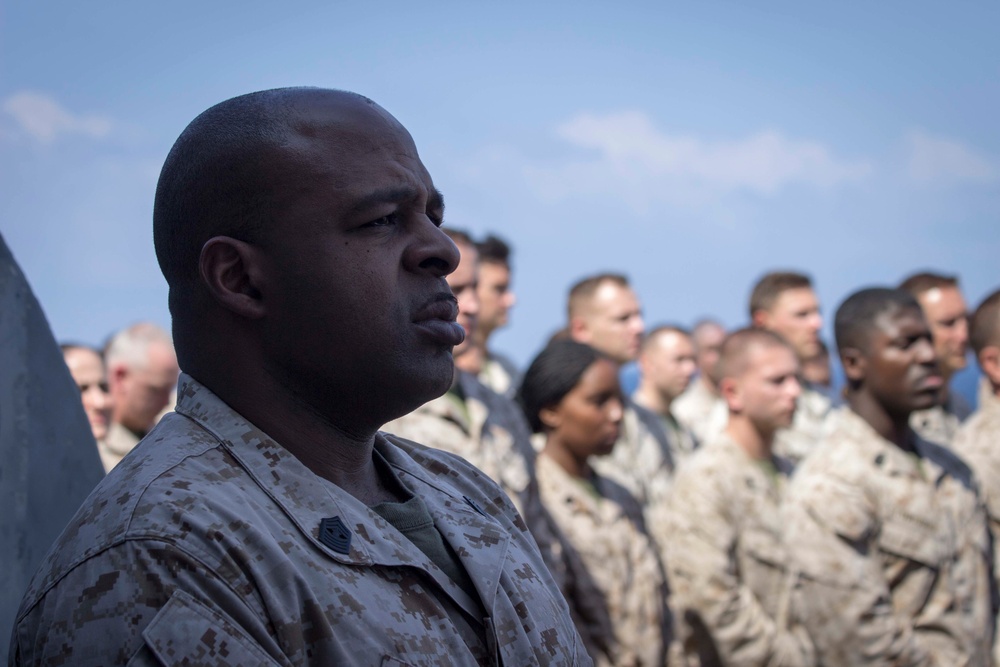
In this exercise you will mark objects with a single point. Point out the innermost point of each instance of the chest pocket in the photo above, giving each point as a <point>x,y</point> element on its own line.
<point>763,547</point>
<point>913,538</point>
<point>187,632</point>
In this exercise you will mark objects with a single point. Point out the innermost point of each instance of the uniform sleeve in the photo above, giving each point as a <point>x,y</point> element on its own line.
<point>843,599</point>
<point>723,620</point>
<point>144,603</point>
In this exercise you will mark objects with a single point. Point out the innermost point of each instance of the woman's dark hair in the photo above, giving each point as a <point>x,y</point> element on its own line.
<point>552,375</point>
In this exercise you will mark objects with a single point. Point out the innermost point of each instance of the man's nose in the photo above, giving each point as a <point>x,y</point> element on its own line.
<point>431,250</point>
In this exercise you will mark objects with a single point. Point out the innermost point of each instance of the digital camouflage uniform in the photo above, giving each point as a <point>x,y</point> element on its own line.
<point>490,432</point>
<point>118,442</point>
<point>623,618</point>
<point>893,551</point>
<point>641,460</point>
<point>940,423</point>
<point>500,374</point>
<point>978,443</point>
<point>705,414</point>
<point>726,560</point>
<point>487,430</point>
<point>213,545</point>
<point>809,426</point>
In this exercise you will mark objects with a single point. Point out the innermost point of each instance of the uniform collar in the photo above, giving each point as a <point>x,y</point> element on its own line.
<point>307,499</point>
<point>928,463</point>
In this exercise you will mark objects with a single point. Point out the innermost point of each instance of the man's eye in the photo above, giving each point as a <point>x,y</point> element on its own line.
<point>384,221</point>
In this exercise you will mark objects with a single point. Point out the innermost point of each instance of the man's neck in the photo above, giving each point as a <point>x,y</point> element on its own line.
<point>894,428</point>
<point>648,397</point>
<point>757,445</point>
<point>339,454</point>
<point>707,384</point>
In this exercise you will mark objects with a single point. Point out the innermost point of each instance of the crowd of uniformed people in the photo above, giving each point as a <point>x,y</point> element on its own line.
<point>731,510</point>
<point>734,509</point>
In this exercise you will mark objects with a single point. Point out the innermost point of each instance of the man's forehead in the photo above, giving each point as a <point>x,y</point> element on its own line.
<point>795,298</point>
<point>941,296</point>
<point>893,322</point>
<point>612,296</point>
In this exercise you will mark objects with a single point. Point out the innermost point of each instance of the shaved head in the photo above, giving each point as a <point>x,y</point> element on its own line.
<point>857,318</point>
<point>223,176</point>
<point>985,329</point>
<point>738,347</point>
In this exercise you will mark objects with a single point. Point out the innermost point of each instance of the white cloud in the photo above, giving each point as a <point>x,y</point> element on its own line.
<point>941,160</point>
<point>638,162</point>
<point>44,119</point>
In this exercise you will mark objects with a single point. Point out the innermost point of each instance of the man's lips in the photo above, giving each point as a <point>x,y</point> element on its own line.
<point>932,381</point>
<point>437,319</point>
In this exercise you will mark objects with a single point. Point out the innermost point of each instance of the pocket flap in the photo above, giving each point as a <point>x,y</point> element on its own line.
<point>188,632</point>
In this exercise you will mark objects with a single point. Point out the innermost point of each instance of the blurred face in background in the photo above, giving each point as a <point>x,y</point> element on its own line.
<point>611,322</point>
<point>88,372</point>
<point>463,282</point>
<point>587,421</point>
<point>495,297</point>
<point>669,363</point>
<point>767,390</point>
<point>142,392</point>
<point>947,316</point>
<point>795,317</point>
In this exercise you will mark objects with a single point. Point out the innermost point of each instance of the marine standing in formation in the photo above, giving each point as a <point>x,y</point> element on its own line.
<point>887,529</point>
<point>267,521</point>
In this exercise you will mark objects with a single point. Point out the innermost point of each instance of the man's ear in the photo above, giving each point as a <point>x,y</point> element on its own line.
<point>989,362</point>
<point>760,319</point>
<point>730,391</point>
<point>854,363</point>
<point>232,271</point>
<point>578,330</point>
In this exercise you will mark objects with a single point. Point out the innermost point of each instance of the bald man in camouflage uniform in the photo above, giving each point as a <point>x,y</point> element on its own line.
<point>888,530</point>
<point>268,521</point>
<point>722,535</point>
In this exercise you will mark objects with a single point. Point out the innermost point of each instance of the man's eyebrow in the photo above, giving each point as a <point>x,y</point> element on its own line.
<point>436,201</point>
<point>393,195</point>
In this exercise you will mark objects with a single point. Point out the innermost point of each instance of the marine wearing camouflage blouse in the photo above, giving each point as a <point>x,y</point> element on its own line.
<point>893,551</point>
<point>622,609</point>
<point>978,443</point>
<point>726,561</point>
<point>212,545</point>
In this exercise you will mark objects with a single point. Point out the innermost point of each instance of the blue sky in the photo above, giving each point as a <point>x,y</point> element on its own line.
<point>691,145</point>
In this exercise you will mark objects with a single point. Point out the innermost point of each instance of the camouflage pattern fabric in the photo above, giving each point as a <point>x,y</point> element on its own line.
<point>726,562</point>
<point>500,374</point>
<point>701,412</point>
<point>490,432</point>
<point>118,442</point>
<point>935,425</point>
<point>212,545</point>
<point>893,550</point>
<point>608,535</point>
<point>809,427</point>
<point>641,460</point>
<point>978,443</point>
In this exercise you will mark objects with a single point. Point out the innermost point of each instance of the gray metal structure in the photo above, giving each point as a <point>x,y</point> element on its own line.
<point>48,458</point>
